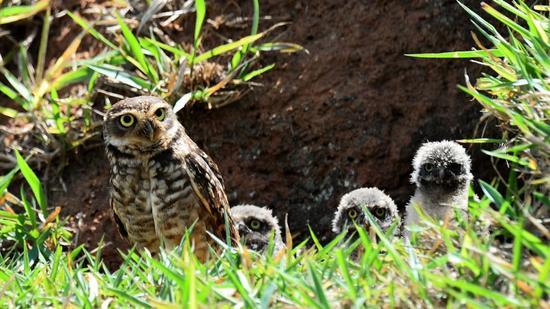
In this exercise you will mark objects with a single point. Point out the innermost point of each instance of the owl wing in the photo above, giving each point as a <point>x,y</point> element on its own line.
<point>121,229</point>
<point>213,166</point>
<point>208,186</point>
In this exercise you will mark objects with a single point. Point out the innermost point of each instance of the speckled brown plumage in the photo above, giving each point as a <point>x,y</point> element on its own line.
<point>161,182</point>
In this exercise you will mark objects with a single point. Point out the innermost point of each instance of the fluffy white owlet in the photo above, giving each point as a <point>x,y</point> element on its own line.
<point>255,225</point>
<point>442,177</point>
<point>350,210</point>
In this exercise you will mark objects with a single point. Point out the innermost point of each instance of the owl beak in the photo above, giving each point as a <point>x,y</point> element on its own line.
<point>243,229</point>
<point>148,130</point>
<point>440,175</point>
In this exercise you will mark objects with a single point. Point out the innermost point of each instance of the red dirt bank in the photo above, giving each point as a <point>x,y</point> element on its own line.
<point>349,114</point>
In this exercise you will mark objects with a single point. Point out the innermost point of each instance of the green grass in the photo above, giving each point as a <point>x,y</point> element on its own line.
<point>146,64</point>
<point>39,269</point>
<point>499,257</point>
<point>515,94</point>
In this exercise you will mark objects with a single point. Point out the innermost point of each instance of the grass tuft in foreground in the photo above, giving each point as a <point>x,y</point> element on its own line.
<point>516,94</point>
<point>53,106</point>
<point>38,269</point>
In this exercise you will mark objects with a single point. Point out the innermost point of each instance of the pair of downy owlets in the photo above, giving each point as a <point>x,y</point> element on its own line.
<point>162,185</point>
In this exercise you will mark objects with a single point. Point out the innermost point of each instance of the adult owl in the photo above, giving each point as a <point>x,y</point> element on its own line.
<point>161,183</point>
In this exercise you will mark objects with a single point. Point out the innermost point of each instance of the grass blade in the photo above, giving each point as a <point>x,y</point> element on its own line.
<point>8,112</point>
<point>319,291</point>
<point>201,13</point>
<point>55,71</point>
<point>33,182</point>
<point>459,54</point>
<point>11,14</point>
<point>130,298</point>
<point>227,47</point>
<point>279,46</point>
<point>257,72</point>
<point>17,85</point>
<point>42,48</point>
<point>6,180</point>
<point>88,28</point>
<point>134,45</point>
<point>119,75</point>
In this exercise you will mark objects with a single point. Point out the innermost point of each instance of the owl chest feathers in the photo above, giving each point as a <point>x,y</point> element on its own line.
<point>438,207</point>
<point>153,197</point>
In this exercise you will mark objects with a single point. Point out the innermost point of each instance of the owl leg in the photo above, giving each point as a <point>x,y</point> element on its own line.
<point>197,240</point>
<point>200,243</point>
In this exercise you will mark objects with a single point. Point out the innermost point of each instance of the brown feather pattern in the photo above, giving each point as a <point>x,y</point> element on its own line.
<point>162,187</point>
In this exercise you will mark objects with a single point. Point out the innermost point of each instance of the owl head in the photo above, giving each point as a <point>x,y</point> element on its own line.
<point>351,210</point>
<point>255,225</point>
<point>140,124</point>
<point>441,167</point>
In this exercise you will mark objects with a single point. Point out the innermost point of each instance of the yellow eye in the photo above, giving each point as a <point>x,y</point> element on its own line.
<point>160,113</point>
<point>380,212</point>
<point>428,167</point>
<point>352,213</point>
<point>255,224</point>
<point>127,120</point>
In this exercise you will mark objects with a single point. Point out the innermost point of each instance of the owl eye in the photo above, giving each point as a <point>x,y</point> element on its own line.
<point>428,167</point>
<point>160,114</point>
<point>255,224</point>
<point>352,213</point>
<point>455,168</point>
<point>127,120</point>
<point>380,213</point>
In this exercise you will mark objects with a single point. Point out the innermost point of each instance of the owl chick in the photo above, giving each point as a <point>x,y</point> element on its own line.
<point>442,177</point>
<point>350,210</point>
<point>161,182</point>
<point>255,225</point>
